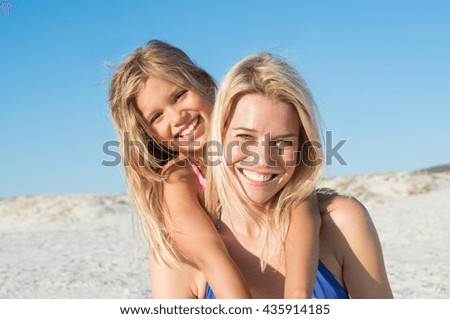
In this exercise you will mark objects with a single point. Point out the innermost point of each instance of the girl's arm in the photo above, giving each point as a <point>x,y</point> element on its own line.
<point>173,282</point>
<point>195,236</point>
<point>359,248</point>
<point>302,250</point>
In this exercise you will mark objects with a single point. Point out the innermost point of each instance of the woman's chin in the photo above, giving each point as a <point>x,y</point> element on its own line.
<point>257,199</point>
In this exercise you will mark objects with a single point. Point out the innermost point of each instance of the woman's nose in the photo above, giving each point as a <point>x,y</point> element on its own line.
<point>264,154</point>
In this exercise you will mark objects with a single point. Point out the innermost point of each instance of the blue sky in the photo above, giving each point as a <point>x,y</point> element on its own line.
<point>379,71</point>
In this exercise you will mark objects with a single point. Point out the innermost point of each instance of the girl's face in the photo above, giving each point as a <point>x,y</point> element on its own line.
<point>178,118</point>
<point>261,144</point>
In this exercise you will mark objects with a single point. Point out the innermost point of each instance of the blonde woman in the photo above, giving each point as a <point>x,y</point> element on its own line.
<point>264,95</point>
<point>161,104</point>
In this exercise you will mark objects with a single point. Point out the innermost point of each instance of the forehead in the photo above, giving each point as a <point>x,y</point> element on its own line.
<point>258,112</point>
<point>154,92</point>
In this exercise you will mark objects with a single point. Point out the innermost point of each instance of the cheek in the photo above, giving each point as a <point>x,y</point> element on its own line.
<point>289,161</point>
<point>231,151</point>
<point>160,133</point>
<point>204,105</point>
<point>290,157</point>
<point>207,111</point>
<point>290,170</point>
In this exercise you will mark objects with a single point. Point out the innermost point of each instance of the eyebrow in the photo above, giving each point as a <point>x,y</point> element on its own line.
<point>285,135</point>
<point>241,128</point>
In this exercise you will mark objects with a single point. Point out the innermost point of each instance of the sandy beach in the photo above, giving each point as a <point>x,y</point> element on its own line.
<point>85,246</point>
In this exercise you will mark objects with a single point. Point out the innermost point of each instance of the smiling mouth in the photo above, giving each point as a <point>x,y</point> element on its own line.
<point>188,131</point>
<point>257,177</point>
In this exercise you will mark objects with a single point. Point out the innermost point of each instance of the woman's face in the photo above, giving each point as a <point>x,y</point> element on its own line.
<point>178,118</point>
<point>261,144</point>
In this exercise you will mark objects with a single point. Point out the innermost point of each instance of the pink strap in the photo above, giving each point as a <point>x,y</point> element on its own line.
<point>197,172</point>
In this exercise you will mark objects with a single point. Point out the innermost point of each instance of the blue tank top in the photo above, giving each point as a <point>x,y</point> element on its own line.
<point>326,287</point>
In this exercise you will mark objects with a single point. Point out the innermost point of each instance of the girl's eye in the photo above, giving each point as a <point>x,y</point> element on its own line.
<point>284,143</point>
<point>179,95</point>
<point>155,117</point>
<point>244,136</point>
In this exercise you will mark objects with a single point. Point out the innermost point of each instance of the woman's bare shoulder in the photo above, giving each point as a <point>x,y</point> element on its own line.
<point>345,211</point>
<point>349,230</point>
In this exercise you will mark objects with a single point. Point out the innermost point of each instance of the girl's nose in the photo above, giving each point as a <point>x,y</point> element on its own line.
<point>177,117</point>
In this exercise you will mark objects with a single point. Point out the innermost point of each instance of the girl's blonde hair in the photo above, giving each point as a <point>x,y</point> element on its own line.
<point>142,156</point>
<point>275,79</point>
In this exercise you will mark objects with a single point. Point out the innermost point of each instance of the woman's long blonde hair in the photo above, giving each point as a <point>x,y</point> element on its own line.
<point>275,79</point>
<point>142,156</point>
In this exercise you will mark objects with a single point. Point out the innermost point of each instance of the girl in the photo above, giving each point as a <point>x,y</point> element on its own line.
<point>161,104</point>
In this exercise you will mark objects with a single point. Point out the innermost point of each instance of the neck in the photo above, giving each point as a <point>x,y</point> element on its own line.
<point>196,158</point>
<point>247,221</point>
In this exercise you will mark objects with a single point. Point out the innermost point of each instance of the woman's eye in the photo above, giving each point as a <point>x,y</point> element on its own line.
<point>284,143</point>
<point>179,95</point>
<point>244,136</point>
<point>155,117</point>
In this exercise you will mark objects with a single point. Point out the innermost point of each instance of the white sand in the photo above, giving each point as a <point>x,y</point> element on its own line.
<point>78,246</point>
<point>81,246</point>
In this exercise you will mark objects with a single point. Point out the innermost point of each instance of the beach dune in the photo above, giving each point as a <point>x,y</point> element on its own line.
<point>85,246</point>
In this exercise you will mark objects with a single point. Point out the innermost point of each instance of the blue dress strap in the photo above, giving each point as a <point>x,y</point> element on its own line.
<point>219,217</point>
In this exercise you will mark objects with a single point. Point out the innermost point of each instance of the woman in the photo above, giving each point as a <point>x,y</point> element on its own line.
<point>262,95</point>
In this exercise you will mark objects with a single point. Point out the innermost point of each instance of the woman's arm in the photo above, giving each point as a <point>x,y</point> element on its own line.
<point>302,250</point>
<point>195,236</point>
<point>364,272</point>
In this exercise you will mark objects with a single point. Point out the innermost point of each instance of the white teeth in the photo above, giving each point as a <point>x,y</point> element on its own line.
<point>190,129</point>
<point>256,177</point>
